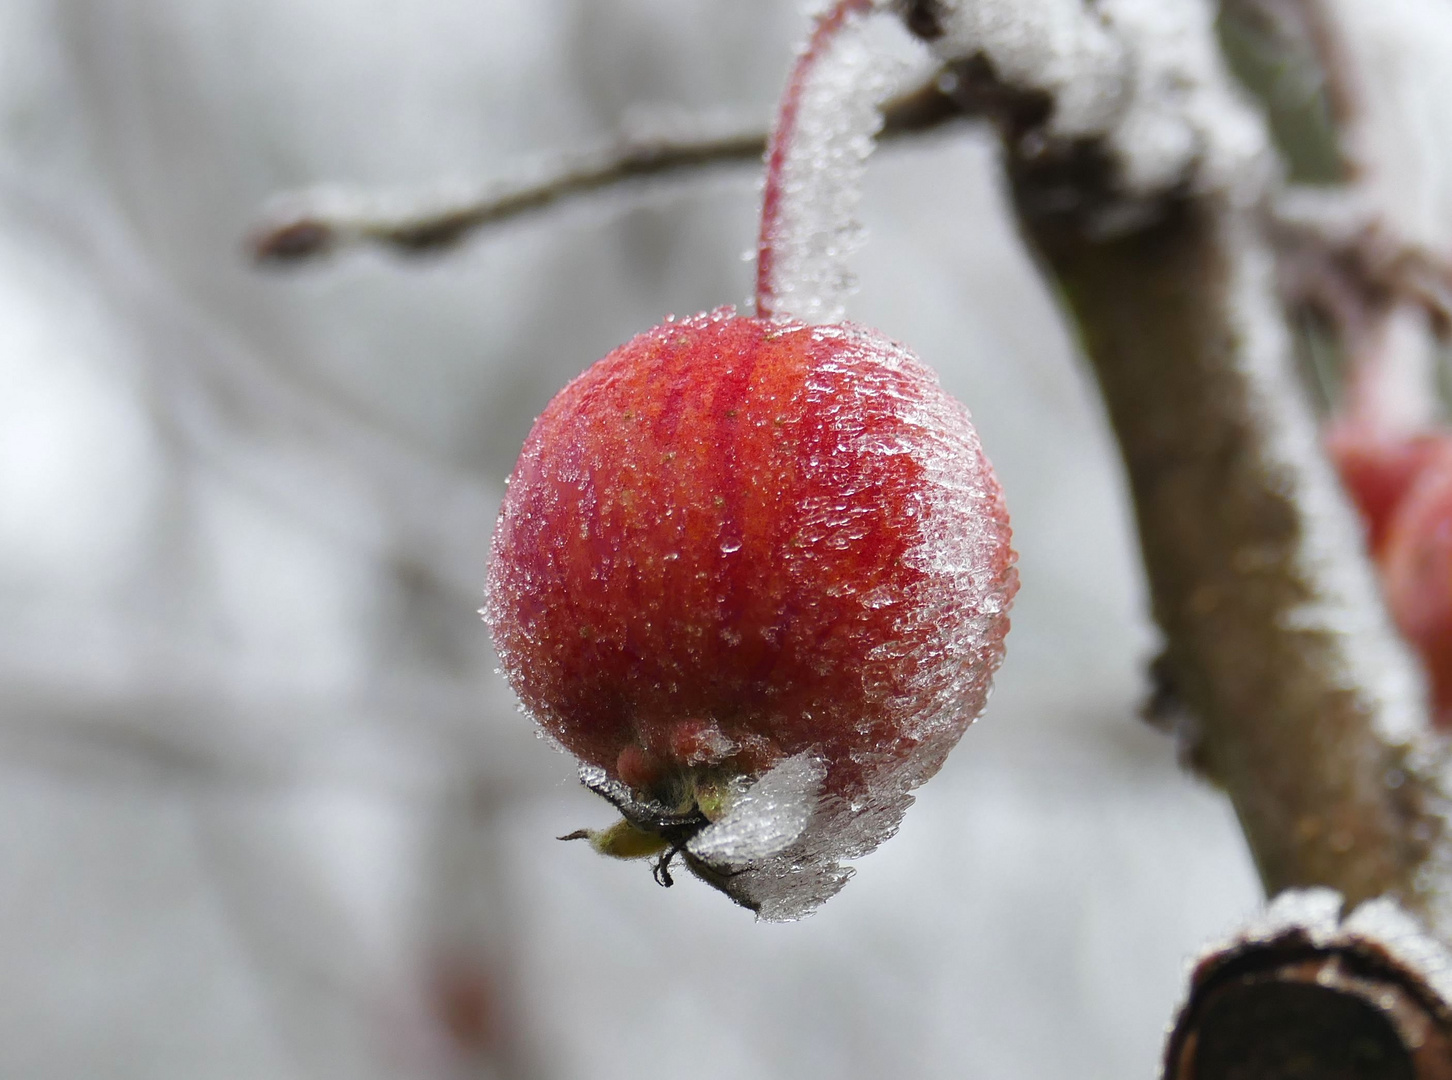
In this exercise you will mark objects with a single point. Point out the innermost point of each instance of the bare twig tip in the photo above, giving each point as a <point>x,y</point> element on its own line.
<point>291,242</point>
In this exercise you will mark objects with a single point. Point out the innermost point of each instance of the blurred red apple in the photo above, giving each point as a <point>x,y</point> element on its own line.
<point>1402,486</point>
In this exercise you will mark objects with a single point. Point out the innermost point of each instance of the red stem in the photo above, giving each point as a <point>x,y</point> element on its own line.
<point>828,25</point>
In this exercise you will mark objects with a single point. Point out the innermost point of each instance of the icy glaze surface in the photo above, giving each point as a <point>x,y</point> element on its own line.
<point>1143,75</point>
<point>734,541</point>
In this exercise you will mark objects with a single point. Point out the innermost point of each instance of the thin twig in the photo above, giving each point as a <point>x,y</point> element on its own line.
<point>310,225</point>
<point>1356,250</point>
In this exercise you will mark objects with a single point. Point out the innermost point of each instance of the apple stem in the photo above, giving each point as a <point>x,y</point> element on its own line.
<point>827,27</point>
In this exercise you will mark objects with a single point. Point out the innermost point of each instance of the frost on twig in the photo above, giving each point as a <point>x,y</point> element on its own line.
<point>310,225</point>
<point>1303,992</point>
<point>1142,178</point>
<point>1372,257</point>
<point>319,222</point>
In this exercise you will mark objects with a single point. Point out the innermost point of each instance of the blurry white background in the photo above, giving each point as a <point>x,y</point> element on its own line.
<point>267,811</point>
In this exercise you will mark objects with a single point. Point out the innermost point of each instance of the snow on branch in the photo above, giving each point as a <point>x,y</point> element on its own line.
<point>1142,79</point>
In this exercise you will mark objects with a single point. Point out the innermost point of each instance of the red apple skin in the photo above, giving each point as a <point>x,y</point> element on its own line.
<point>1416,569</point>
<point>734,539</point>
<point>1378,471</point>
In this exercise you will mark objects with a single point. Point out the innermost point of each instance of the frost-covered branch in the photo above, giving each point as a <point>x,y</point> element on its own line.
<point>314,224</point>
<point>1158,215</point>
<point>1143,180</point>
<point>1373,251</point>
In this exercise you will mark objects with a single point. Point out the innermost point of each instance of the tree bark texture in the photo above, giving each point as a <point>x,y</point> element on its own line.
<point>1190,373</point>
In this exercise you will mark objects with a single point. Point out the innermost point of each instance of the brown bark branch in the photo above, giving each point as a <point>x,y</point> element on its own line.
<point>1197,387</point>
<point>1305,705</point>
<point>1308,707</point>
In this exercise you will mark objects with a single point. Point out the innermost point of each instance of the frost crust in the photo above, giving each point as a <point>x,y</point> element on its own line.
<point>948,637</point>
<point>1144,76</point>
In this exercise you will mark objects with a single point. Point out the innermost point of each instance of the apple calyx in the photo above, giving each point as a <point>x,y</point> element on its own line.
<point>663,821</point>
<point>728,828</point>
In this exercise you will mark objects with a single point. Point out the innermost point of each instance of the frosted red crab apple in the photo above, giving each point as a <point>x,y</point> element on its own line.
<point>734,541</point>
<point>755,573</point>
